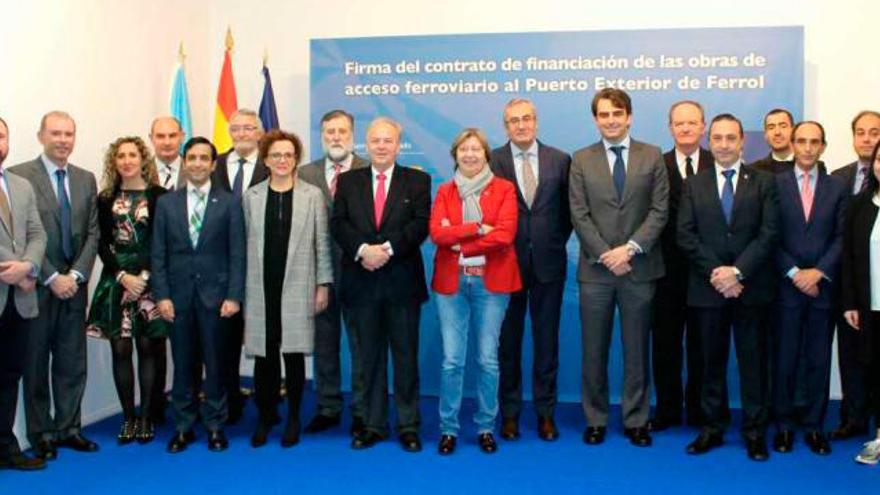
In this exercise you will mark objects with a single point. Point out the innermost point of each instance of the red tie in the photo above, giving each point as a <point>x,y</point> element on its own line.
<point>379,201</point>
<point>337,168</point>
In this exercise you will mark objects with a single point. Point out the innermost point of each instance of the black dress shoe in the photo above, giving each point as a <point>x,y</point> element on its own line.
<point>487,443</point>
<point>357,426</point>
<point>638,436</point>
<point>510,428</point>
<point>818,443</point>
<point>78,443</point>
<point>291,434</point>
<point>783,442</point>
<point>446,445</point>
<point>21,462</point>
<point>127,432</point>
<point>410,441</point>
<point>847,431</point>
<point>756,449</point>
<point>594,435</point>
<point>46,450</point>
<point>180,441</point>
<point>322,423</point>
<point>365,440</point>
<point>547,428</point>
<point>261,434</point>
<point>660,424</point>
<point>704,443</point>
<point>217,441</point>
<point>144,431</point>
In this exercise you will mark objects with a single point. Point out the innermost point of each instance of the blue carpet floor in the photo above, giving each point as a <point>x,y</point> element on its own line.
<point>325,464</point>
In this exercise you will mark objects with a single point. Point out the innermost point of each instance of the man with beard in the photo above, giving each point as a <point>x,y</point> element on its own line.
<point>337,140</point>
<point>777,133</point>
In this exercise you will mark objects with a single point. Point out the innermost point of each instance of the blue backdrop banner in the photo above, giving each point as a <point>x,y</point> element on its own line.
<point>437,85</point>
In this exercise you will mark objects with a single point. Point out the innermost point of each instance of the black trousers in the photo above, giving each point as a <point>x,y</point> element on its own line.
<point>13,345</point>
<point>715,326</point>
<point>854,406</point>
<point>328,371</point>
<point>267,380</point>
<point>379,326</point>
<point>801,362</point>
<point>544,304</point>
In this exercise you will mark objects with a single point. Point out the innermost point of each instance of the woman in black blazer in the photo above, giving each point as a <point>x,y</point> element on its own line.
<point>860,290</point>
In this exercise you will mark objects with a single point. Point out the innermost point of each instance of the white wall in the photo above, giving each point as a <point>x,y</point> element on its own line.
<point>109,63</point>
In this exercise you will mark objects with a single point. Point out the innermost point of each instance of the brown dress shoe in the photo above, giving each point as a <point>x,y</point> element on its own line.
<point>547,429</point>
<point>510,429</point>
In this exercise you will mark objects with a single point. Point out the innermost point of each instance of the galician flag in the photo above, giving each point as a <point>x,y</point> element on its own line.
<point>180,98</point>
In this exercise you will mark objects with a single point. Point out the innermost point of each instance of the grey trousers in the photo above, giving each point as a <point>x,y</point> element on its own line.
<point>328,371</point>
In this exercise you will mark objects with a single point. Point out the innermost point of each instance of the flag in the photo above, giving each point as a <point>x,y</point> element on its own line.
<point>268,111</point>
<point>180,99</point>
<point>227,103</point>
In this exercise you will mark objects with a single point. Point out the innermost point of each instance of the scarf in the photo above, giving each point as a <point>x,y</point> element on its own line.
<point>469,189</point>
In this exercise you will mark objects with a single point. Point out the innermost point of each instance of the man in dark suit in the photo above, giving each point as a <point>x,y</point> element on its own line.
<point>853,407</point>
<point>198,252</point>
<point>236,171</point>
<point>619,196</point>
<point>687,125</point>
<point>728,227</point>
<point>540,173</point>
<point>380,219</point>
<point>337,138</point>
<point>66,197</point>
<point>22,247</point>
<point>808,259</point>
<point>167,135</point>
<point>777,133</point>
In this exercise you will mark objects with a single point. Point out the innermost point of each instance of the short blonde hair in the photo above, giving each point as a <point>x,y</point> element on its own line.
<point>464,135</point>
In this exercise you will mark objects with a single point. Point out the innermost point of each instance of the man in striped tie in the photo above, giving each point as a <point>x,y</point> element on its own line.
<point>198,283</point>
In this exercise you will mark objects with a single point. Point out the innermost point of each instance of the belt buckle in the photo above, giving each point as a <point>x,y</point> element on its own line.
<point>473,271</point>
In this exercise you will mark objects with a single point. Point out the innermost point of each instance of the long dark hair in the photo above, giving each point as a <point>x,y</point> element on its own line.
<point>873,183</point>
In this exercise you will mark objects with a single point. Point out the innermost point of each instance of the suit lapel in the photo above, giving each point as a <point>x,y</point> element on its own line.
<point>794,194</point>
<point>367,196</point>
<point>46,189</point>
<point>395,190</point>
<point>508,169</point>
<point>818,195</point>
<point>711,188</point>
<point>180,196</point>
<point>210,206</point>
<point>742,190</point>
<point>632,167</point>
<point>544,171</point>
<point>223,172</point>
<point>260,173</point>
<point>603,171</point>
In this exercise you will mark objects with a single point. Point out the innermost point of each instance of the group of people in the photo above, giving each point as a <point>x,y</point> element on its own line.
<point>250,249</point>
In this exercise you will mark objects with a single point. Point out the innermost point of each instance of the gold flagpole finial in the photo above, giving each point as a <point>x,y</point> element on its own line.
<point>180,55</point>
<point>229,42</point>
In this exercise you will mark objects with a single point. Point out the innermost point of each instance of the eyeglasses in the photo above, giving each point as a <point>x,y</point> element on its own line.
<point>277,156</point>
<point>525,119</point>
<point>242,128</point>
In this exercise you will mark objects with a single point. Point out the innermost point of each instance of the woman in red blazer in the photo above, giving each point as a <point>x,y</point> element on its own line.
<point>473,224</point>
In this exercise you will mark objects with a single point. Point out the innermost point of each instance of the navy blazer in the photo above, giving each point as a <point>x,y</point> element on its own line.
<point>542,231</point>
<point>215,270</point>
<point>814,243</point>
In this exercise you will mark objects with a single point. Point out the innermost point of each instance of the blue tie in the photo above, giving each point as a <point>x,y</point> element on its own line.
<point>238,182</point>
<point>727,194</point>
<point>64,204</point>
<point>619,174</point>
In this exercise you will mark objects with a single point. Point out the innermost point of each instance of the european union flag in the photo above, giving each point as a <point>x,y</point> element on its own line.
<point>268,112</point>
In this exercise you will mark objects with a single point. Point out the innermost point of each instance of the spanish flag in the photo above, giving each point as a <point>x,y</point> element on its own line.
<point>227,103</point>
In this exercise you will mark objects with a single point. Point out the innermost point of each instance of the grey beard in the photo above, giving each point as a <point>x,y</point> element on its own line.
<point>338,154</point>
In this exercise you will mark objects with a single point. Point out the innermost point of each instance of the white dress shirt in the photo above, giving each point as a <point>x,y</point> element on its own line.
<point>719,176</point>
<point>191,197</point>
<point>625,142</point>
<point>330,171</point>
<point>232,169</point>
<point>532,153</point>
<point>681,161</point>
<point>388,173</point>
<point>169,173</point>
<point>51,167</point>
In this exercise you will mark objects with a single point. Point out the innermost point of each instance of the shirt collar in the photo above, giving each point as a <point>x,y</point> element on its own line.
<point>174,165</point>
<point>625,142</point>
<point>736,166</point>
<point>813,173</point>
<point>387,172</point>
<point>681,158</point>
<point>531,151</point>
<point>191,188</point>
<point>787,158</point>
<point>233,157</point>
<point>346,164</point>
<point>51,166</point>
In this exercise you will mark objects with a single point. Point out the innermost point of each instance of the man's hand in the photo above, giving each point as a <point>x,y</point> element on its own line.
<point>374,256</point>
<point>166,309</point>
<point>27,284</point>
<point>852,317</point>
<point>64,286</point>
<point>807,281</point>
<point>723,277</point>
<point>229,308</point>
<point>133,284</point>
<point>733,292</point>
<point>487,228</point>
<point>621,269</point>
<point>13,272</point>
<point>614,258</point>
<point>445,223</point>
<point>322,298</point>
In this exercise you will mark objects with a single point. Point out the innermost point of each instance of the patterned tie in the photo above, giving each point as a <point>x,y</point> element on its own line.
<point>5,211</point>
<point>238,181</point>
<point>167,181</point>
<point>727,194</point>
<point>689,167</point>
<point>64,205</point>
<point>195,218</point>
<point>861,176</point>
<point>379,200</point>
<point>806,195</point>
<point>530,182</point>
<point>337,169</point>
<point>619,174</point>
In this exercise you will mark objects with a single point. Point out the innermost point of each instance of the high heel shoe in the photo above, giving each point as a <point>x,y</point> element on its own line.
<point>126,432</point>
<point>145,432</point>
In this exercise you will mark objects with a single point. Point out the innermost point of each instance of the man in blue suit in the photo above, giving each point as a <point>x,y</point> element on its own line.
<point>811,230</point>
<point>198,280</point>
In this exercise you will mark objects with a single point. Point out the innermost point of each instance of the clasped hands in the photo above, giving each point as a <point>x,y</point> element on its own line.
<point>17,273</point>
<point>807,281</point>
<point>725,281</point>
<point>374,256</point>
<point>617,260</point>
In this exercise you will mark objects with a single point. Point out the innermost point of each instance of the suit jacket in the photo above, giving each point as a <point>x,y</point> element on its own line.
<point>308,265</point>
<point>26,241</point>
<point>855,292</point>
<point>673,258</point>
<point>313,173</point>
<point>220,176</point>
<point>215,269</point>
<point>542,231</point>
<point>498,203</point>
<point>404,226</point>
<point>813,243</point>
<point>602,221</point>
<point>83,219</point>
<point>847,174</point>
<point>773,166</point>
<point>748,243</point>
